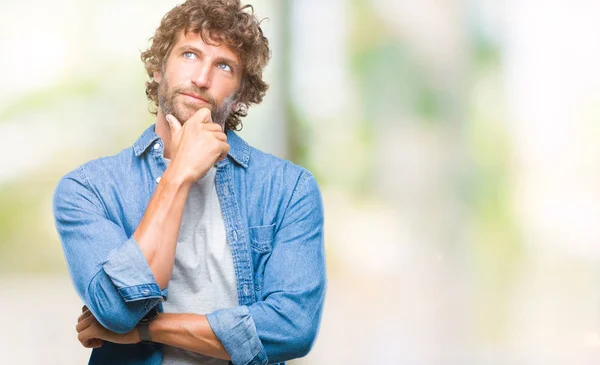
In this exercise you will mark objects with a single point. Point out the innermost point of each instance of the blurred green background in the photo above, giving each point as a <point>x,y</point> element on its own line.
<point>455,143</point>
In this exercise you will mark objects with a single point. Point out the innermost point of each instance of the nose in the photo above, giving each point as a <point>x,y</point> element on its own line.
<point>202,76</point>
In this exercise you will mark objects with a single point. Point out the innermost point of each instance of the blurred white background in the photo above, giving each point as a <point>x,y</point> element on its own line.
<point>455,142</point>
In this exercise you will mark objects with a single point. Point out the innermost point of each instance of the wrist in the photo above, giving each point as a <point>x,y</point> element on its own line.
<point>142,330</point>
<point>135,336</point>
<point>176,177</point>
<point>153,327</point>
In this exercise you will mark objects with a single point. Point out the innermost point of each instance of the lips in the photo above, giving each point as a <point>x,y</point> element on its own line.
<point>196,97</point>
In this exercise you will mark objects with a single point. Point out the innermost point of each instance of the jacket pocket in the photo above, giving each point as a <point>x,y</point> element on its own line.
<point>261,241</point>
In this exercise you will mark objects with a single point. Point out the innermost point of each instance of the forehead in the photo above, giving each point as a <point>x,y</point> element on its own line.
<point>213,48</point>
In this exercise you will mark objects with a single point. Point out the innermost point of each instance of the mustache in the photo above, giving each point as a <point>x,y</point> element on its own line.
<point>198,92</point>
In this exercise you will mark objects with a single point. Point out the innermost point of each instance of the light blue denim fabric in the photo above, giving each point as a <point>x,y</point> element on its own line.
<point>273,217</point>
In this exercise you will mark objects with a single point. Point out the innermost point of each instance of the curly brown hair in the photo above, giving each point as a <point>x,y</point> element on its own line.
<point>222,21</point>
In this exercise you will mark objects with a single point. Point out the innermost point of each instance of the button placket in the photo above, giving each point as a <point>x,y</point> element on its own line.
<point>242,262</point>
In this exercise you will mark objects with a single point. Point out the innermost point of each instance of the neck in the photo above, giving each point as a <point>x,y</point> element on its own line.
<point>162,129</point>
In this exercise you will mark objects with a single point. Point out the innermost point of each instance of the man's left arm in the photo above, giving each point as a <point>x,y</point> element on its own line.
<point>185,331</point>
<point>283,325</point>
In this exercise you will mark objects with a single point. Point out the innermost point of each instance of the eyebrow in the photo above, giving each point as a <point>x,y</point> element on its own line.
<point>231,62</point>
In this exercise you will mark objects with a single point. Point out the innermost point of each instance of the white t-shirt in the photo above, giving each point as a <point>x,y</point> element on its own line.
<point>203,278</point>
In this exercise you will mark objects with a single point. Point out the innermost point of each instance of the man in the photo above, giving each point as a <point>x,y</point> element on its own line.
<point>191,246</point>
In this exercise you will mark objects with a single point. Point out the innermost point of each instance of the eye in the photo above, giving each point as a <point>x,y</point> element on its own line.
<point>224,67</point>
<point>189,55</point>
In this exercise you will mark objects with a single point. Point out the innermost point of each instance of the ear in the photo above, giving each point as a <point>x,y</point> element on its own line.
<point>157,76</point>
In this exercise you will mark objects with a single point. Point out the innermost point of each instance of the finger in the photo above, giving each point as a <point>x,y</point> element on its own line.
<point>92,343</point>
<point>221,158</point>
<point>84,323</point>
<point>95,342</point>
<point>86,335</point>
<point>213,127</point>
<point>84,315</point>
<point>202,115</point>
<point>84,308</point>
<point>216,126</point>
<point>220,136</point>
<point>174,124</point>
<point>224,149</point>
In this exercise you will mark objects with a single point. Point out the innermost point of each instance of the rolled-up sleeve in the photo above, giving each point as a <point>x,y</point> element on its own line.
<point>108,269</point>
<point>283,324</point>
<point>236,330</point>
<point>128,270</point>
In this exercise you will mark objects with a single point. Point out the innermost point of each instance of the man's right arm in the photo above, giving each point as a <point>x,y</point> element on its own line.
<point>158,230</point>
<point>119,278</point>
<point>194,148</point>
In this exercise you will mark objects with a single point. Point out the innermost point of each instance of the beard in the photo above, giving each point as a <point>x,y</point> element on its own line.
<point>168,103</point>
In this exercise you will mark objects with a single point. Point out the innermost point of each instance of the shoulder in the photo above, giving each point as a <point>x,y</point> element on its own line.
<point>267,164</point>
<point>110,165</point>
<point>276,189</point>
<point>281,178</point>
<point>263,168</point>
<point>87,175</point>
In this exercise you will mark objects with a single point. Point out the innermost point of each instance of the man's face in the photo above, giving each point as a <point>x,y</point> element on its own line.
<point>198,75</point>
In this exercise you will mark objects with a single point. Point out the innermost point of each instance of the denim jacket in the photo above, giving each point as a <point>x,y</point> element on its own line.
<point>273,217</point>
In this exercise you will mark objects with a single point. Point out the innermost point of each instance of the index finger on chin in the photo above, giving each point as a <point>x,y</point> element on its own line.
<point>203,115</point>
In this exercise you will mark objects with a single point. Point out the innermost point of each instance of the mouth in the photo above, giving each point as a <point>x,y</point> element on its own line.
<point>195,98</point>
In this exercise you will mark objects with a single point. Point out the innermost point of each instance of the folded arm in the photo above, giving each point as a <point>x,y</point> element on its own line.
<point>284,323</point>
<point>185,331</point>
<point>119,278</point>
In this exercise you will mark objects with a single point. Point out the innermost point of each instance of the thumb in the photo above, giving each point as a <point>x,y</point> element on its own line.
<point>174,124</point>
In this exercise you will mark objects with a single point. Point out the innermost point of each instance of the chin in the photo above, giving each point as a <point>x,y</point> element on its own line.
<point>184,113</point>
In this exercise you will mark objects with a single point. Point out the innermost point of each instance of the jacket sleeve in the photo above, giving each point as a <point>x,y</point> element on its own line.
<point>108,269</point>
<point>285,323</point>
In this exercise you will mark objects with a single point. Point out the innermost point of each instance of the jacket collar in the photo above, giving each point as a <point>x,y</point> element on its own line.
<point>239,150</point>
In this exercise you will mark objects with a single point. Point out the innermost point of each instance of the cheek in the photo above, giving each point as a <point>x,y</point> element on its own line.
<point>179,74</point>
<point>227,91</point>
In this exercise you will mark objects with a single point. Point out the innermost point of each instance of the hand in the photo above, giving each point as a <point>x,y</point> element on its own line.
<point>91,334</point>
<point>197,145</point>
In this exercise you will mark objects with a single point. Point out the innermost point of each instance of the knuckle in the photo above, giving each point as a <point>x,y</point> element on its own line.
<point>203,114</point>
